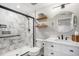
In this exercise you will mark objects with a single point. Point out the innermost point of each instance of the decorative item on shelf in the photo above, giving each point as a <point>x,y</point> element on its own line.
<point>41,17</point>
<point>43,25</point>
<point>6,32</point>
<point>3,26</point>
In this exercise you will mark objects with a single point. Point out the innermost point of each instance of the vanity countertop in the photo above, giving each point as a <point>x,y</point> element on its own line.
<point>67,42</point>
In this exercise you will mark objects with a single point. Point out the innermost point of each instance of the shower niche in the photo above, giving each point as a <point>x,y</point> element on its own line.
<point>13,31</point>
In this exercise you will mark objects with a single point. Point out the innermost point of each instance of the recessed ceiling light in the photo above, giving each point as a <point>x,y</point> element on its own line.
<point>18,6</point>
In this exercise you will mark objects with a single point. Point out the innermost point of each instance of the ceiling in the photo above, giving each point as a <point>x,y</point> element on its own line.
<point>29,8</point>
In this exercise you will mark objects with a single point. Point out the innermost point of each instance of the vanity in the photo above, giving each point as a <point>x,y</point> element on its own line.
<point>64,22</point>
<point>55,47</point>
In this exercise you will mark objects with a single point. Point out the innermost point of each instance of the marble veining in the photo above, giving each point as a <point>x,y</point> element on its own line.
<point>17,25</point>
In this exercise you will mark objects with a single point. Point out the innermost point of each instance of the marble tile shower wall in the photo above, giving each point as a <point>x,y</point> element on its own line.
<point>17,25</point>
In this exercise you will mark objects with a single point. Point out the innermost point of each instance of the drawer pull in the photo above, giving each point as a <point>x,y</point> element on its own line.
<point>52,53</point>
<point>52,46</point>
<point>43,43</point>
<point>28,55</point>
<point>71,50</point>
<point>17,54</point>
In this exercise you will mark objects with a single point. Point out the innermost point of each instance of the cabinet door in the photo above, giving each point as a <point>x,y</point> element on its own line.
<point>53,46</point>
<point>53,49</point>
<point>54,53</point>
<point>71,50</point>
<point>62,48</point>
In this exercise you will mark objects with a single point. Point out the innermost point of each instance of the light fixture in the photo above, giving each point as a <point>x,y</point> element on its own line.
<point>18,6</point>
<point>63,6</point>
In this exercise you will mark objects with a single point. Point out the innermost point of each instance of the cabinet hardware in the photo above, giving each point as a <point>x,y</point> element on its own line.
<point>17,54</point>
<point>52,53</point>
<point>52,46</point>
<point>43,43</point>
<point>71,50</point>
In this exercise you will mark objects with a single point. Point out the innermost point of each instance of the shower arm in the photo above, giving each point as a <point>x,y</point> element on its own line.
<point>27,16</point>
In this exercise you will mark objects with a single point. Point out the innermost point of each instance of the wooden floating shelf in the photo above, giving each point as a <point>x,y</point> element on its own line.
<point>42,18</point>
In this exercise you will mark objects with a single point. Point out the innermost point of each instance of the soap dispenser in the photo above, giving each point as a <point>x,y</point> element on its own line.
<point>75,37</point>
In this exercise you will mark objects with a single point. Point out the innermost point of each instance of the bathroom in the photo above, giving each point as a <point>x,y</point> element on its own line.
<point>39,29</point>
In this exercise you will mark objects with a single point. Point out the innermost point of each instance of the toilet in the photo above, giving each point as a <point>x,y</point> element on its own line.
<point>35,51</point>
